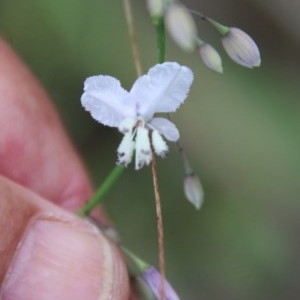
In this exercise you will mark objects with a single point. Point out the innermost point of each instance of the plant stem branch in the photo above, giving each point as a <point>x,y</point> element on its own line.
<point>132,36</point>
<point>161,44</point>
<point>102,190</point>
<point>160,229</point>
<point>203,17</point>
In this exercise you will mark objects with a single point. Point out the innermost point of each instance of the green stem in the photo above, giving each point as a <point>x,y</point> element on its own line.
<point>161,39</point>
<point>223,30</point>
<point>102,190</point>
<point>135,265</point>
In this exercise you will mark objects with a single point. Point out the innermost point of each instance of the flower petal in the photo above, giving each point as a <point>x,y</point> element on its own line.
<point>163,89</point>
<point>106,100</point>
<point>166,128</point>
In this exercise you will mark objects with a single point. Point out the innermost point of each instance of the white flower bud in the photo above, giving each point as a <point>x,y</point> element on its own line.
<point>211,58</point>
<point>125,150</point>
<point>156,8</point>
<point>241,48</point>
<point>193,190</point>
<point>181,26</point>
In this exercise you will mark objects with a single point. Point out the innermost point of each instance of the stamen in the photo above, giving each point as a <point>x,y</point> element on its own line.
<point>159,145</point>
<point>143,155</point>
<point>125,150</point>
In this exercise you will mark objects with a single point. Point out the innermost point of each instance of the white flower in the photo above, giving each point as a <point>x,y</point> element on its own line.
<point>161,90</point>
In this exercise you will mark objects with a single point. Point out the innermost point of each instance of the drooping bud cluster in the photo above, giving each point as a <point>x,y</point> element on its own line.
<point>181,26</point>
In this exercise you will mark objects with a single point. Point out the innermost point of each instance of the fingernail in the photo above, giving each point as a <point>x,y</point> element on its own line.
<point>59,259</point>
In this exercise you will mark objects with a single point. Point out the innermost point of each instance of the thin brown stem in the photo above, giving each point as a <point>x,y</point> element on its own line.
<point>132,36</point>
<point>160,228</point>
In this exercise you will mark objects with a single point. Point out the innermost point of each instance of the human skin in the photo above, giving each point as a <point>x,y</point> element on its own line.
<point>46,252</point>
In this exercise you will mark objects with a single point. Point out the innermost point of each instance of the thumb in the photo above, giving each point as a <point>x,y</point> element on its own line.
<point>58,256</point>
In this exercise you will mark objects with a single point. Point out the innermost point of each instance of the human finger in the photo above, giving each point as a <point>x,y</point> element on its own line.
<point>34,148</point>
<point>48,253</point>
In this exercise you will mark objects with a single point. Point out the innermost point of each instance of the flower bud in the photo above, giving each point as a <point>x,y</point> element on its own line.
<point>148,284</point>
<point>241,48</point>
<point>211,58</point>
<point>193,190</point>
<point>181,26</point>
<point>156,8</point>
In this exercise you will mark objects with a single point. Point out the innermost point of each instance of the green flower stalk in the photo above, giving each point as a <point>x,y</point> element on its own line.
<point>101,192</point>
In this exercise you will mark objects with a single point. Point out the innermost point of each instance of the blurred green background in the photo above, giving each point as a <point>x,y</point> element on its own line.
<point>240,130</point>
